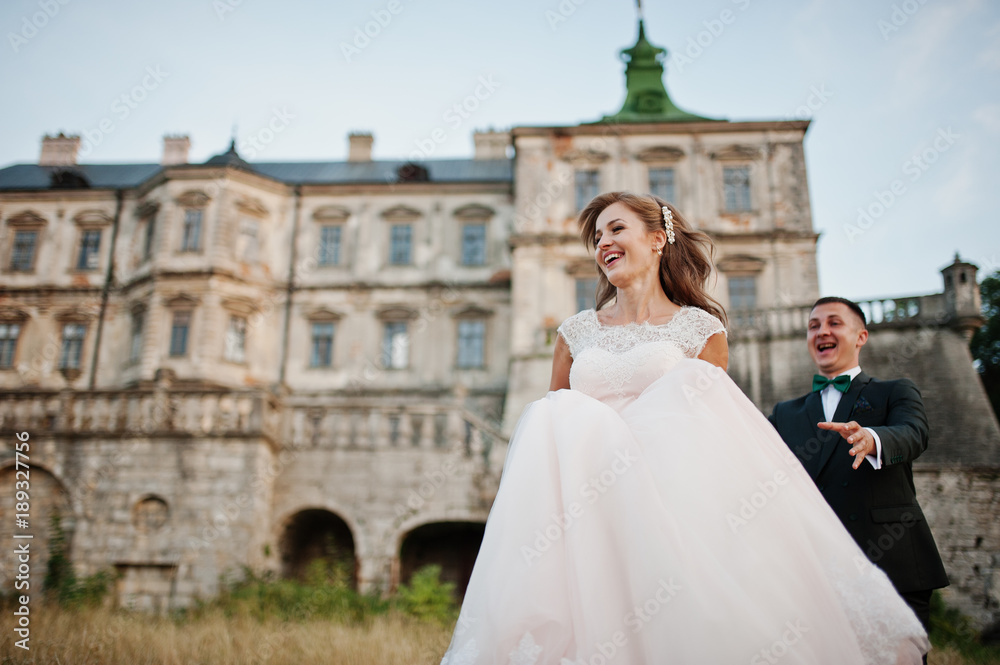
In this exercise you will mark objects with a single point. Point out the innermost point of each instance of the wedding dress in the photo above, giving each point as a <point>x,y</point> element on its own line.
<point>650,515</point>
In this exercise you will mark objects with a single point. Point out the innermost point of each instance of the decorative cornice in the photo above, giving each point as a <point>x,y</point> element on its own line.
<point>10,314</point>
<point>585,156</point>
<point>331,214</point>
<point>401,213</point>
<point>26,218</point>
<point>740,263</point>
<point>740,153</point>
<point>181,301</point>
<point>92,218</point>
<point>474,212</point>
<point>472,311</point>
<point>322,315</point>
<point>252,206</point>
<point>397,313</point>
<point>240,305</point>
<point>661,153</point>
<point>147,209</point>
<point>193,198</point>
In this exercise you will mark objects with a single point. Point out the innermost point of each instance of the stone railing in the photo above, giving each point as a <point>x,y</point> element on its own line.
<point>883,312</point>
<point>141,412</point>
<point>357,425</point>
<point>376,426</point>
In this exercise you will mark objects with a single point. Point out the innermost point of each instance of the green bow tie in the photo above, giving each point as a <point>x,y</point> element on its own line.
<point>841,383</point>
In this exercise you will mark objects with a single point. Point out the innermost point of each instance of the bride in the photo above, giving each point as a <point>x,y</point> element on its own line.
<point>647,512</point>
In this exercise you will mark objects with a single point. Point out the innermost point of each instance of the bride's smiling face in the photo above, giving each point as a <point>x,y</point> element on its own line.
<point>623,246</point>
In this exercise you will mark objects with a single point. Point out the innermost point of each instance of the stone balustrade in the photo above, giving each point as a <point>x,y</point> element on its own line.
<point>141,413</point>
<point>355,425</point>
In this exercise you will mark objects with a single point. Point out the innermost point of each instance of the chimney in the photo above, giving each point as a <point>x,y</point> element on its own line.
<point>59,150</point>
<point>491,144</point>
<point>360,146</point>
<point>175,150</point>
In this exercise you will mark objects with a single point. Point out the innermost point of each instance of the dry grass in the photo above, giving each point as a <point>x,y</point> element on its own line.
<point>101,637</point>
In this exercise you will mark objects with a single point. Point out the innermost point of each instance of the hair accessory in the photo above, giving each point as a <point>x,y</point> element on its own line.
<point>668,224</point>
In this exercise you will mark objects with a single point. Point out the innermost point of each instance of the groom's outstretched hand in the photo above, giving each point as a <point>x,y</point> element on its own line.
<point>862,440</point>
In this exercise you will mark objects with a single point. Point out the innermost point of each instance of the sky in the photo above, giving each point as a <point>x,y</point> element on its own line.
<point>903,153</point>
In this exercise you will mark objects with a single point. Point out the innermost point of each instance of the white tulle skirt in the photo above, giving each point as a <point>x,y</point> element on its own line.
<point>680,530</point>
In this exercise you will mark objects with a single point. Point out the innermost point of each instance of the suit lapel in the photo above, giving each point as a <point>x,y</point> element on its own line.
<point>841,415</point>
<point>814,411</point>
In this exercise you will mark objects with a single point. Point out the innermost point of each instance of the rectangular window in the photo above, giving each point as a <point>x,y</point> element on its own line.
<point>661,183</point>
<point>742,293</point>
<point>396,345</point>
<point>587,187</point>
<point>474,244</point>
<point>736,187</point>
<point>329,245</point>
<point>236,339</point>
<point>322,345</point>
<point>191,240</point>
<point>147,247</point>
<point>9,333</point>
<point>249,244</point>
<point>179,330</point>
<point>471,343</point>
<point>22,256</point>
<point>90,246</point>
<point>400,242</point>
<point>72,345</point>
<point>586,294</point>
<point>135,347</point>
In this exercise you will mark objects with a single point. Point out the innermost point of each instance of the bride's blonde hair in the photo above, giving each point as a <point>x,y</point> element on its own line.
<point>685,266</point>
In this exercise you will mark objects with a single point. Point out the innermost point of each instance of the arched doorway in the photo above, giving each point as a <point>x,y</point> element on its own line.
<point>316,534</point>
<point>46,498</point>
<point>451,545</point>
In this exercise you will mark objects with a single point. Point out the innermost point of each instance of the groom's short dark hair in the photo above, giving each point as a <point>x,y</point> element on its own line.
<point>851,305</point>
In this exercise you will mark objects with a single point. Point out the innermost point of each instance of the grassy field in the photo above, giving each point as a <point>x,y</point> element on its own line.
<point>265,621</point>
<point>103,637</point>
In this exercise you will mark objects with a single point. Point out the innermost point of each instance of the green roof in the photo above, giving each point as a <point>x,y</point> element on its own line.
<point>646,98</point>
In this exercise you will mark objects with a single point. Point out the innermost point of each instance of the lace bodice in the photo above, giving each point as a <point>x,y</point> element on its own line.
<point>616,363</point>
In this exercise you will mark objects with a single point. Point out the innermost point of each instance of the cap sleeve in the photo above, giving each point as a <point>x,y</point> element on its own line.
<point>575,329</point>
<point>701,326</point>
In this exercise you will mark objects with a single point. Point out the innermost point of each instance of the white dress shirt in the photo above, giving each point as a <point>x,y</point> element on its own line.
<point>831,399</point>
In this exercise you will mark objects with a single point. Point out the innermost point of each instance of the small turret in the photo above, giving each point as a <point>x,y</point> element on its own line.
<point>961,296</point>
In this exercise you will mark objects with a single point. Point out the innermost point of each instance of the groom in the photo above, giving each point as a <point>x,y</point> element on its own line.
<point>857,437</point>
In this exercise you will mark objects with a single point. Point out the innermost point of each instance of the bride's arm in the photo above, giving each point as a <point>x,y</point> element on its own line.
<point>716,351</point>
<point>561,362</point>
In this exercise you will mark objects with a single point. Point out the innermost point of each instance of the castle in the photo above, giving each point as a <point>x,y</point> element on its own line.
<point>233,364</point>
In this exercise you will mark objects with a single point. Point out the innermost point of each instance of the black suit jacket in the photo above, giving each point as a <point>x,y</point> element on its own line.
<point>878,507</point>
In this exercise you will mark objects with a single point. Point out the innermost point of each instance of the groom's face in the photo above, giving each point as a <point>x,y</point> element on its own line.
<point>835,336</point>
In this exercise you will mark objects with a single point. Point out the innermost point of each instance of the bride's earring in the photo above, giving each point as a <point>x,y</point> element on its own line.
<point>659,252</point>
